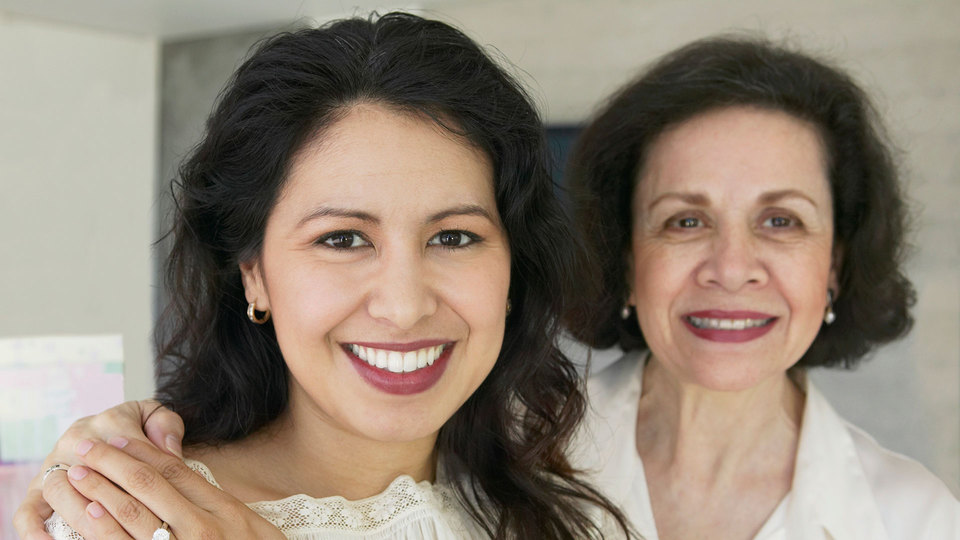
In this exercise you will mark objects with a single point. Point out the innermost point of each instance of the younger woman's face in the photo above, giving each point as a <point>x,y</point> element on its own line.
<point>386,268</point>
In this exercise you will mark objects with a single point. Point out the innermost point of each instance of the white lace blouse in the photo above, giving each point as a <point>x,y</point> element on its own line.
<point>406,510</point>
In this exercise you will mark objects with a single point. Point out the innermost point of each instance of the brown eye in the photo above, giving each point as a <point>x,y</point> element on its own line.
<point>343,240</point>
<point>453,239</point>
<point>779,222</point>
<point>450,239</point>
<point>688,223</point>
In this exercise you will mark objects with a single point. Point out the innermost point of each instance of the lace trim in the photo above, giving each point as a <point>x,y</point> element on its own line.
<point>432,509</point>
<point>58,529</point>
<point>403,500</point>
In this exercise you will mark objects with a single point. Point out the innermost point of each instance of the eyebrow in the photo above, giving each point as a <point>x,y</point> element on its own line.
<point>699,199</point>
<point>327,211</point>
<point>461,210</point>
<point>696,199</point>
<point>774,196</point>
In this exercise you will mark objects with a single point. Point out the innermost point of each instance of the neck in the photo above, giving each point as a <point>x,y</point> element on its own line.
<point>715,435</point>
<point>303,451</point>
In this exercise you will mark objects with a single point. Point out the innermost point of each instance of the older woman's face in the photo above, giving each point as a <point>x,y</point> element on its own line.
<point>386,269</point>
<point>732,243</point>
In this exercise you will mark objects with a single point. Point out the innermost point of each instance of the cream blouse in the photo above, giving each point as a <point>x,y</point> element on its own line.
<point>406,510</point>
<point>845,485</point>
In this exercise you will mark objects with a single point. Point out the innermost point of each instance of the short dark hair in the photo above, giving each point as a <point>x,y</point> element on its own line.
<point>869,211</point>
<point>226,376</point>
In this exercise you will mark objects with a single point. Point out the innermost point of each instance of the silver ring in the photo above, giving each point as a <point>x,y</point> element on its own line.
<point>162,532</point>
<point>50,469</point>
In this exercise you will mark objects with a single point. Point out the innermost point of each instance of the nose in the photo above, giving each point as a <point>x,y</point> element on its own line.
<point>401,294</point>
<point>733,261</point>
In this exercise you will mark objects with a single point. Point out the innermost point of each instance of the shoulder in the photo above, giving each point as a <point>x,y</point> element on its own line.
<point>613,373</point>
<point>613,392</point>
<point>855,488</point>
<point>604,446</point>
<point>914,502</point>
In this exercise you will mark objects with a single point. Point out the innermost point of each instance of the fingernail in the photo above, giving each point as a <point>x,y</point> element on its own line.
<point>83,447</point>
<point>173,445</point>
<point>77,472</point>
<point>118,442</point>
<point>95,510</point>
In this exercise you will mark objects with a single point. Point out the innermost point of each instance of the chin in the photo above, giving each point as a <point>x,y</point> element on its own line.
<point>391,428</point>
<point>730,378</point>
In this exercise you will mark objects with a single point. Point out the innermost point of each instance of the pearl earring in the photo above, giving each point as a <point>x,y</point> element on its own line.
<point>829,316</point>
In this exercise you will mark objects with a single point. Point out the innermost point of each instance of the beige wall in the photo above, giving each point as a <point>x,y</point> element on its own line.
<point>907,54</point>
<point>77,154</point>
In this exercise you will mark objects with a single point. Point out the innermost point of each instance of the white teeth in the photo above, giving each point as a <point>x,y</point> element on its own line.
<point>396,361</point>
<point>421,358</point>
<point>410,361</point>
<point>381,359</point>
<point>728,324</point>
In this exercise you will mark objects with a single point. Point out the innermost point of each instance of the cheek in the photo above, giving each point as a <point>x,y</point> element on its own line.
<point>659,272</point>
<point>312,296</point>
<point>477,293</point>
<point>804,279</point>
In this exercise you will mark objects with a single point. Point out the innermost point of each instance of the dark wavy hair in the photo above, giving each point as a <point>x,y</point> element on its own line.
<point>226,376</point>
<point>873,303</point>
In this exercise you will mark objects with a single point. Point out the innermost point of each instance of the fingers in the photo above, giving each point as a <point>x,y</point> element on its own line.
<point>122,420</point>
<point>29,517</point>
<point>70,504</point>
<point>161,482</point>
<point>163,427</point>
<point>114,513</point>
<point>125,419</point>
<point>174,471</point>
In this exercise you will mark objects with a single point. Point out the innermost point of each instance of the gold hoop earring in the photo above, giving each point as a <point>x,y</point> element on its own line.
<point>509,306</point>
<point>252,314</point>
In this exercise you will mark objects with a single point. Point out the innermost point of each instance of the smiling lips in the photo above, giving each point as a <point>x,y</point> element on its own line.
<point>396,361</point>
<point>729,326</point>
<point>400,368</point>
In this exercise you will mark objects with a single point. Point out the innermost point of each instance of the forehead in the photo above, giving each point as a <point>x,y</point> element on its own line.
<point>736,149</point>
<point>375,155</point>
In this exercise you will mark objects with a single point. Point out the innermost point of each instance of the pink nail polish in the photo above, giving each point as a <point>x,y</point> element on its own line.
<point>95,510</point>
<point>83,447</point>
<point>77,472</point>
<point>118,442</point>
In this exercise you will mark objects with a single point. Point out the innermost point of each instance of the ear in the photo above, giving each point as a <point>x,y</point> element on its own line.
<point>628,279</point>
<point>254,287</point>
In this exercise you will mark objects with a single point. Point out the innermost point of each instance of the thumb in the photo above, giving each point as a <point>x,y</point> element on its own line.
<point>162,426</point>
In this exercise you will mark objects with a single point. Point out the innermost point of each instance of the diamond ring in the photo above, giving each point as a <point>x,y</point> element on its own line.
<point>162,532</point>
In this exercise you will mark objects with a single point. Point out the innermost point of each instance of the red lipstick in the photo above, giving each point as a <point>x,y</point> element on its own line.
<point>406,383</point>
<point>702,327</point>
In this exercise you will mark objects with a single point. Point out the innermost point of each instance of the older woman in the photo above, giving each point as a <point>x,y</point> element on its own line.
<point>749,222</point>
<point>367,251</point>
